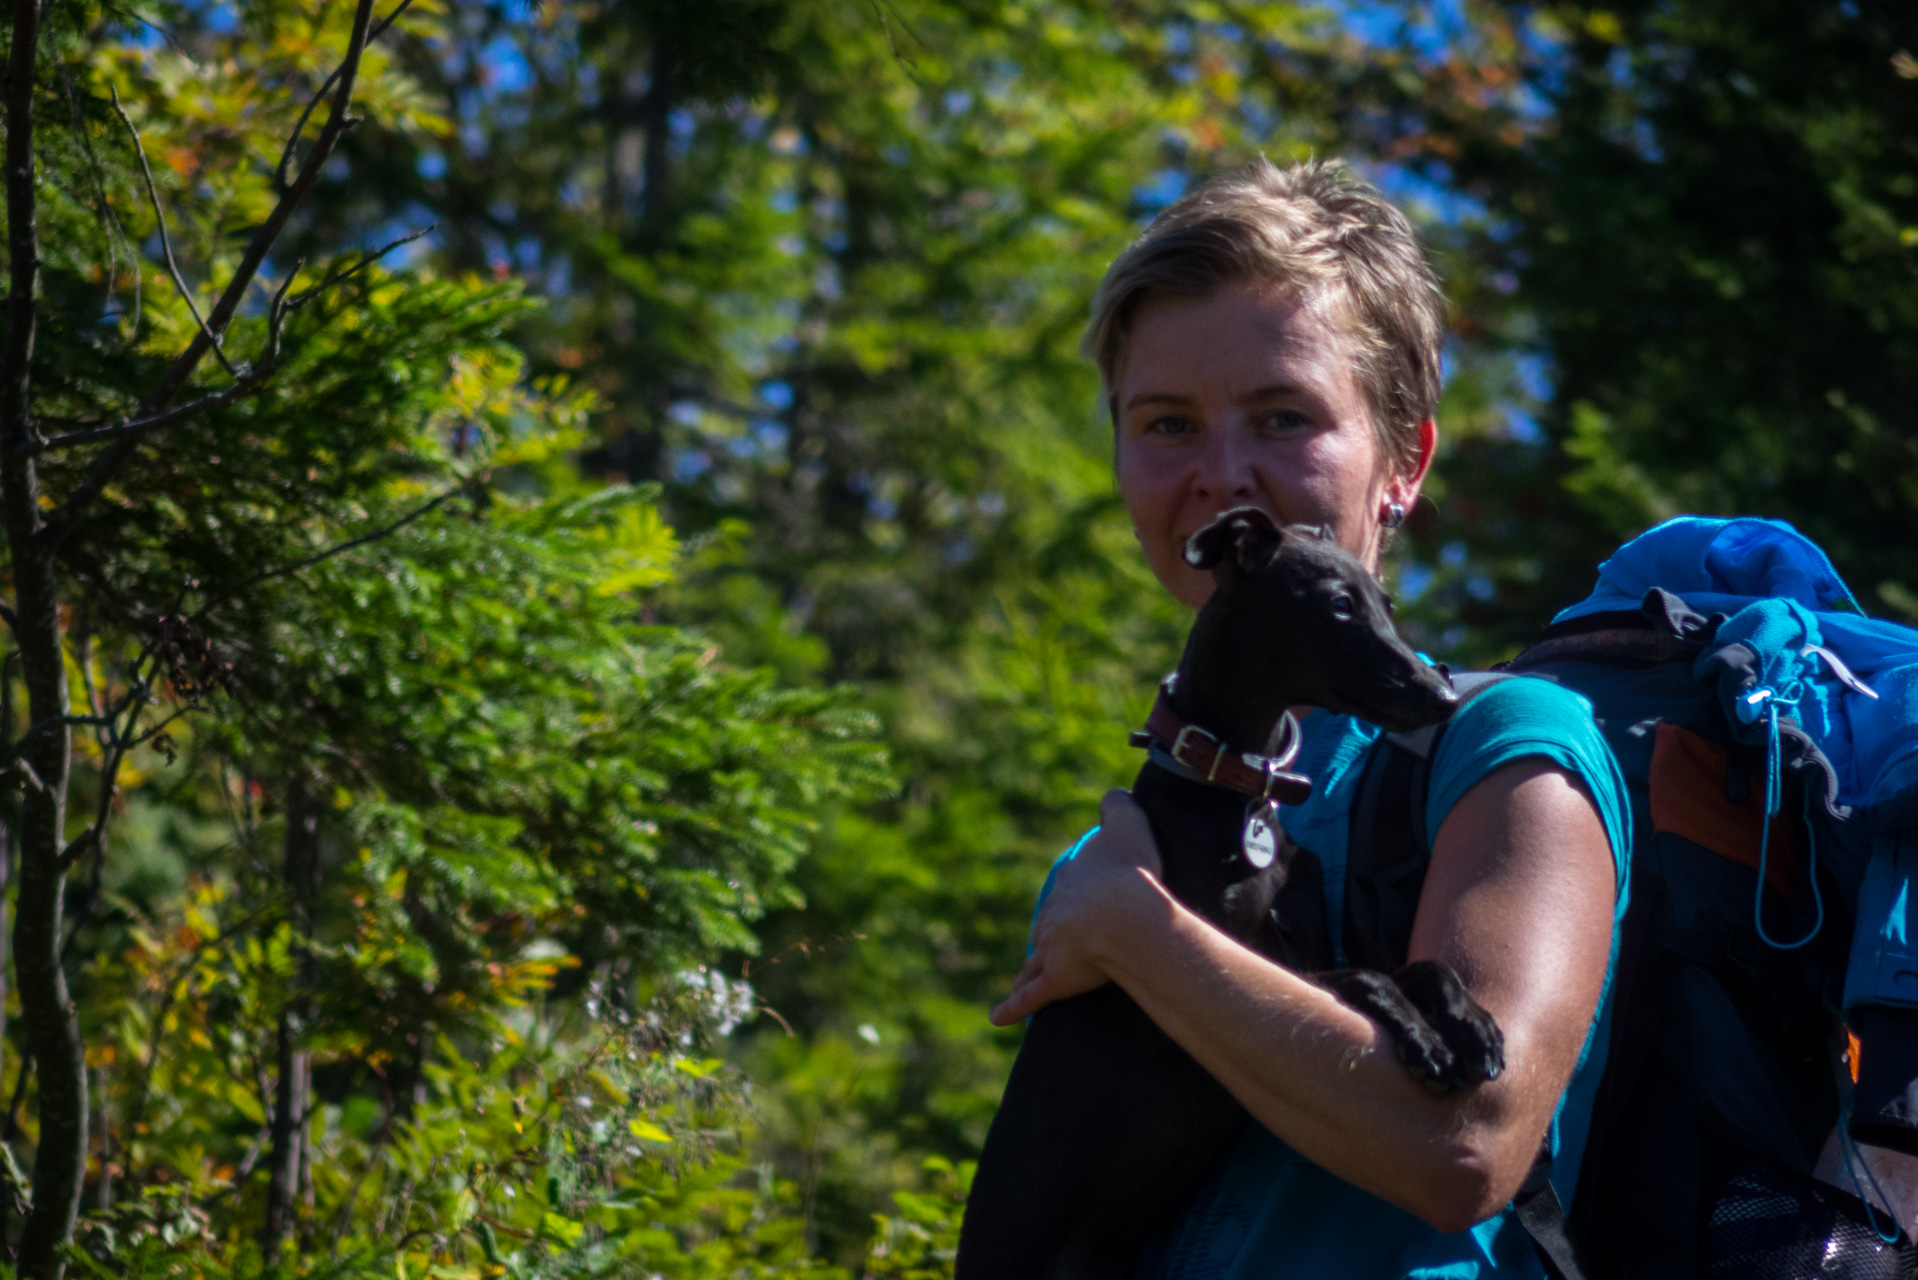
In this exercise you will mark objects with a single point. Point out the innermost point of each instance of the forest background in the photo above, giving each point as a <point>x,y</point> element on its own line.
<point>566,585</point>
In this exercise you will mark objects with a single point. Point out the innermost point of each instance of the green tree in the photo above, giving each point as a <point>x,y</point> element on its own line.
<point>404,817</point>
<point>1697,222</point>
<point>50,486</point>
<point>824,266</point>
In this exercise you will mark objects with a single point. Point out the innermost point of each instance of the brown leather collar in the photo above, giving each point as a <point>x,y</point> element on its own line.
<point>1200,753</point>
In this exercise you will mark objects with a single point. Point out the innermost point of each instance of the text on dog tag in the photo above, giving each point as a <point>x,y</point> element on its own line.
<point>1262,834</point>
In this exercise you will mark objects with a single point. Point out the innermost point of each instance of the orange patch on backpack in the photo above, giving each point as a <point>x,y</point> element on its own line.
<point>1688,799</point>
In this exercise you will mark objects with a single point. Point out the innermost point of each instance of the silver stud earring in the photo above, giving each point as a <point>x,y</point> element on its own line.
<point>1394,514</point>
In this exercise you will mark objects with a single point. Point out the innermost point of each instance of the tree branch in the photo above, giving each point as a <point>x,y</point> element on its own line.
<point>23,239</point>
<point>169,993</point>
<point>115,233</point>
<point>166,241</point>
<point>140,426</point>
<point>61,520</point>
<point>337,549</point>
<point>286,156</point>
<point>250,378</point>
<point>305,296</point>
<point>115,744</point>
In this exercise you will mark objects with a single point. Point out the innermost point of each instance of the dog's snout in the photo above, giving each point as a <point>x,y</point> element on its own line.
<point>1415,696</point>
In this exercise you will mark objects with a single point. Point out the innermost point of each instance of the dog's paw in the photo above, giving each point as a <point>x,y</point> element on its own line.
<point>1420,1047</point>
<point>1470,1033</point>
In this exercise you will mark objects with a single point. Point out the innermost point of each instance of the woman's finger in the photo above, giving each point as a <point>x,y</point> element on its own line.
<point>1024,1000</point>
<point>1125,833</point>
<point>1031,969</point>
<point>1117,806</point>
<point>1028,974</point>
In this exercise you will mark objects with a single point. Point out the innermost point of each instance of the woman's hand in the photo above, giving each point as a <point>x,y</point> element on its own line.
<point>1115,876</point>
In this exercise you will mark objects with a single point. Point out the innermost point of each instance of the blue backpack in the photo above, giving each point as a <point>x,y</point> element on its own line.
<point>1765,991</point>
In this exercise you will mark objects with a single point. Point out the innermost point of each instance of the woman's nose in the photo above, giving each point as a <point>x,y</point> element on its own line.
<point>1225,467</point>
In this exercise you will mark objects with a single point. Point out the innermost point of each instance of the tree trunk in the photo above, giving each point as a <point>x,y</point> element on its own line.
<point>656,117</point>
<point>288,1159</point>
<point>46,1009</point>
<point>289,1133</point>
<point>52,1033</point>
<point>6,877</point>
<point>103,1127</point>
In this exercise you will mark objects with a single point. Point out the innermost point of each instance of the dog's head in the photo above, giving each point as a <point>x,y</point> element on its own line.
<point>1296,617</point>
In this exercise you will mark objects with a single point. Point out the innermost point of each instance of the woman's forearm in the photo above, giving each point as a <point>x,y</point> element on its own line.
<point>1517,900</point>
<point>1321,1076</point>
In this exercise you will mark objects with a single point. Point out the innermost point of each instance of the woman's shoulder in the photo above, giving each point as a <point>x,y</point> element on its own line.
<point>1523,717</point>
<point>1525,704</point>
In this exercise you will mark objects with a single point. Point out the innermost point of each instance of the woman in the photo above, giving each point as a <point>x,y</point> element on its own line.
<point>1273,340</point>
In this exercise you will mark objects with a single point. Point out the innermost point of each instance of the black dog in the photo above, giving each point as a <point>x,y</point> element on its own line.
<point>1106,1123</point>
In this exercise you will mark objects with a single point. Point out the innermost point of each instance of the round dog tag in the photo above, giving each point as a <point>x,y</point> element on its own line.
<point>1262,834</point>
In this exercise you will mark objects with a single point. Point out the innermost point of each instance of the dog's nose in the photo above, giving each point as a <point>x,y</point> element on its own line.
<point>1444,699</point>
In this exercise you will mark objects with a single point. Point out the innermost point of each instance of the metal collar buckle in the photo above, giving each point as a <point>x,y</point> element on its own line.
<point>1212,740</point>
<point>1202,756</point>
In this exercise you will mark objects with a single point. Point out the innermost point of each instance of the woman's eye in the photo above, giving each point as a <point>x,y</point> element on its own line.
<point>1169,426</point>
<point>1286,420</point>
<point>1342,608</point>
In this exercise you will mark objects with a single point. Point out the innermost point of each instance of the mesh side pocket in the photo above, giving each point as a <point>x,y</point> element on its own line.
<point>1773,1223</point>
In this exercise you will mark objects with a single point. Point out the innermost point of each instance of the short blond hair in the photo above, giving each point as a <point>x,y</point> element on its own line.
<point>1313,227</point>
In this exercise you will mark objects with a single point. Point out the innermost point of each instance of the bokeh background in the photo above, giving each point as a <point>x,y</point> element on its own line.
<point>607,871</point>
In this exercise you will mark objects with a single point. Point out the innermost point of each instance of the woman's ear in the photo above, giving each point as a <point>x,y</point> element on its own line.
<point>1403,489</point>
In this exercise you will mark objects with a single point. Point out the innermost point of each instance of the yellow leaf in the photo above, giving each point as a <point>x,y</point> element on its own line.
<point>648,1131</point>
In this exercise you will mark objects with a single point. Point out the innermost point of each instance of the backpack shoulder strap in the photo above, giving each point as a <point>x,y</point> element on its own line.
<point>1387,853</point>
<point>1423,743</point>
<point>1543,1217</point>
<point>1387,845</point>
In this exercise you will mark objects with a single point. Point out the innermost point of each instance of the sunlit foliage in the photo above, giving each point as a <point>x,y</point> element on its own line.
<point>534,630</point>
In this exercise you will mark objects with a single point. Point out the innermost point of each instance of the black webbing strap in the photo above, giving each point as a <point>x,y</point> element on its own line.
<point>1386,857</point>
<point>1543,1218</point>
<point>1387,845</point>
<point>1387,848</point>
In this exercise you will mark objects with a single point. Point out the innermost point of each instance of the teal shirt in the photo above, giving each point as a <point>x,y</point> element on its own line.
<point>1269,1213</point>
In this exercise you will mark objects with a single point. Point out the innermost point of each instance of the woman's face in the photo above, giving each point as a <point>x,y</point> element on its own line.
<point>1246,398</point>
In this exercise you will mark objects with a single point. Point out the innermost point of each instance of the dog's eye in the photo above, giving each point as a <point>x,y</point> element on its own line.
<point>1342,608</point>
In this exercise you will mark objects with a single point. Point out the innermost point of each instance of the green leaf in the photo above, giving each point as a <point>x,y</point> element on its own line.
<point>564,1230</point>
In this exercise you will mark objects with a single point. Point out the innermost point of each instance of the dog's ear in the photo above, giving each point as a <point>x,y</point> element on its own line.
<point>1247,534</point>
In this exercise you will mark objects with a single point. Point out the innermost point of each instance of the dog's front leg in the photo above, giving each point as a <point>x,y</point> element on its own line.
<point>1445,1038</point>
